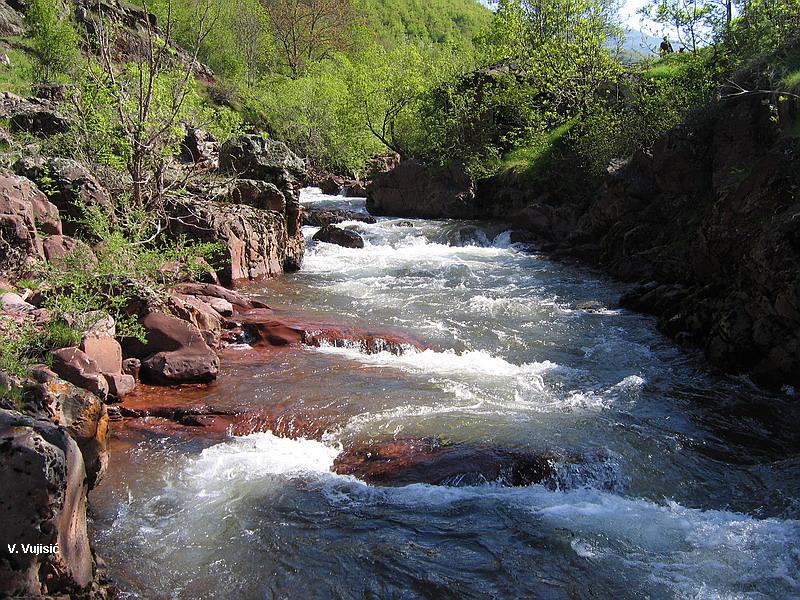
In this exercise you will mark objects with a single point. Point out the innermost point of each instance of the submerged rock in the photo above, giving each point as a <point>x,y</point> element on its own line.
<point>341,237</point>
<point>322,218</point>
<point>407,461</point>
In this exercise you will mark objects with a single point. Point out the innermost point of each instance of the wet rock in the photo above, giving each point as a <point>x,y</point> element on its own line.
<point>258,194</point>
<point>77,368</point>
<point>323,218</point>
<point>341,237</point>
<point>257,244</point>
<point>354,189</point>
<point>414,190</point>
<point>406,461</point>
<point>119,385</point>
<point>175,352</point>
<point>268,328</point>
<point>72,185</point>
<point>42,464</point>
<point>132,366</point>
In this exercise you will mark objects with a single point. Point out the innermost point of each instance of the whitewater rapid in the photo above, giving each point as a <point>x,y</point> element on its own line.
<point>687,496</point>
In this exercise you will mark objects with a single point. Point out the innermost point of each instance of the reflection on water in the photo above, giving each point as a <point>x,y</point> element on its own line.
<point>697,496</point>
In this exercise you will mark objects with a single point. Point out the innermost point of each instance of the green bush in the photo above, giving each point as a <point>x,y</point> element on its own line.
<point>55,41</point>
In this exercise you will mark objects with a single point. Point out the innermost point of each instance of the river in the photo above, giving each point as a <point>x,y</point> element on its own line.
<point>687,486</point>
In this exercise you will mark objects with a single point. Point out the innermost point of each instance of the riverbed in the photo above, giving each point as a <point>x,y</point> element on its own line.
<point>687,483</point>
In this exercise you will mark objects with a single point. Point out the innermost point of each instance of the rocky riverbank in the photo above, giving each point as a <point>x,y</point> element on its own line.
<point>705,222</point>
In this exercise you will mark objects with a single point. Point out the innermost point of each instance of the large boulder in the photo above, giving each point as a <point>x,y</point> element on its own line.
<point>175,352</point>
<point>256,157</point>
<point>407,461</point>
<point>341,237</point>
<point>20,244</point>
<point>83,414</point>
<point>201,148</point>
<point>414,190</point>
<point>75,366</point>
<point>257,244</point>
<point>258,194</point>
<point>43,490</point>
<point>70,185</point>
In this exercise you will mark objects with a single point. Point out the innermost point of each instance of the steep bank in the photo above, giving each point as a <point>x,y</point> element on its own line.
<point>706,220</point>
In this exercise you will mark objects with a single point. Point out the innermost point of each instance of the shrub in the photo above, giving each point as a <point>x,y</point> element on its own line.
<point>55,41</point>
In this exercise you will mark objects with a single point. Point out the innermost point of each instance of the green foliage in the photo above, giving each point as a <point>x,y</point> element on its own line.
<point>18,76</point>
<point>540,152</point>
<point>126,268</point>
<point>55,41</point>
<point>441,22</point>
<point>762,27</point>
<point>30,343</point>
<point>315,115</point>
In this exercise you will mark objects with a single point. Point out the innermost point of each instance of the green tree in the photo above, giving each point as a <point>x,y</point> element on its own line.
<point>55,40</point>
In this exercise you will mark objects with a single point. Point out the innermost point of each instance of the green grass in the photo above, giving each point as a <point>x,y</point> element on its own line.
<point>532,159</point>
<point>18,76</point>
<point>668,67</point>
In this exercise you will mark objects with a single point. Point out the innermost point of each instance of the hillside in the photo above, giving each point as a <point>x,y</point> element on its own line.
<point>438,21</point>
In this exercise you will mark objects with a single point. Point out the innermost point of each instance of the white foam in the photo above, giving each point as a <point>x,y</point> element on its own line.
<point>258,454</point>
<point>471,363</point>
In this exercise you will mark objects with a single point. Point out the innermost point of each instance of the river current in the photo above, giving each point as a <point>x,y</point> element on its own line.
<point>688,486</point>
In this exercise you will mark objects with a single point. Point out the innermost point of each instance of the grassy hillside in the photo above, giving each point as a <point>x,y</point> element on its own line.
<point>435,21</point>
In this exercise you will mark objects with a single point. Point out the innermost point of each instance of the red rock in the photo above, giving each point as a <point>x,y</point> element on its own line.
<point>119,385</point>
<point>240,302</point>
<point>80,370</point>
<point>332,234</point>
<point>58,247</point>
<point>131,366</point>
<point>103,350</point>
<point>43,502</point>
<point>175,352</point>
<point>201,315</point>
<point>18,224</point>
<point>406,461</point>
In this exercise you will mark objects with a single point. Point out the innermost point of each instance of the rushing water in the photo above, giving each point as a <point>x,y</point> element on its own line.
<point>697,493</point>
